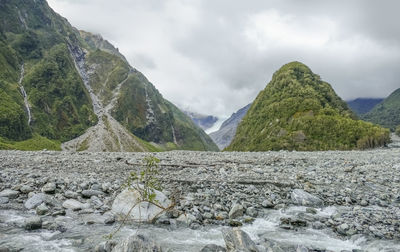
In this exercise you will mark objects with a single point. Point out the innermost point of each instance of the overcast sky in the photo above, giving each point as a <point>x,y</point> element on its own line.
<point>214,56</point>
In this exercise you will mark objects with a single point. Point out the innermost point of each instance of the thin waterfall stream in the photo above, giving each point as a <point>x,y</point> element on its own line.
<point>22,89</point>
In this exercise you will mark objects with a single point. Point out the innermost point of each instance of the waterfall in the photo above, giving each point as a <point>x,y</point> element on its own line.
<point>22,89</point>
<point>173,135</point>
<point>150,116</point>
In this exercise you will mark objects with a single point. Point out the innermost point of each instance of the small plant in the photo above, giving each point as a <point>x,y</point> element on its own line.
<point>398,130</point>
<point>145,182</point>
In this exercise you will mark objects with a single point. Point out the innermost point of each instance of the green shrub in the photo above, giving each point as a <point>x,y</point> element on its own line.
<point>35,143</point>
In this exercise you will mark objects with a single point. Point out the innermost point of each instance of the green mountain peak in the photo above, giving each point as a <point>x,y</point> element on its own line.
<point>299,111</point>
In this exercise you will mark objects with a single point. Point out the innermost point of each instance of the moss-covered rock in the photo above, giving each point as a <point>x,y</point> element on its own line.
<point>299,111</point>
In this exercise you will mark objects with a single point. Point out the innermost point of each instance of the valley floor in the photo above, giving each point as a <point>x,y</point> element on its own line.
<point>359,194</point>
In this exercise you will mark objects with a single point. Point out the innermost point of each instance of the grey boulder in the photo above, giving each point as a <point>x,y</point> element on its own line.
<point>33,223</point>
<point>238,240</point>
<point>303,198</point>
<point>137,243</point>
<point>11,194</point>
<point>35,200</point>
<point>73,205</point>
<point>236,211</point>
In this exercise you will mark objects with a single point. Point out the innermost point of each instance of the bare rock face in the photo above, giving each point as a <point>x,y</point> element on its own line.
<point>223,137</point>
<point>128,202</point>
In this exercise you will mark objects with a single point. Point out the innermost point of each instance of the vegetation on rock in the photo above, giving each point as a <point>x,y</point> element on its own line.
<point>32,35</point>
<point>386,113</point>
<point>35,37</point>
<point>139,106</point>
<point>299,111</point>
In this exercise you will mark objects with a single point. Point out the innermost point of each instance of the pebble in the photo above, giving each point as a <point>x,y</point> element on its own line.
<point>49,188</point>
<point>215,187</point>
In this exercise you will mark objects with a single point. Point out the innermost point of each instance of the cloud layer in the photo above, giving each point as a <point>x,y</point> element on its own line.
<point>213,57</point>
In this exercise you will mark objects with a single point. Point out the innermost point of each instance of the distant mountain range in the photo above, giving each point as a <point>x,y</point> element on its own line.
<point>227,131</point>
<point>386,113</point>
<point>59,84</point>
<point>299,111</point>
<point>203,121</point>
<point>361,106</point>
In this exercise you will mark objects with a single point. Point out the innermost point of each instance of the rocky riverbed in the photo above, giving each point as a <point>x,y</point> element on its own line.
<point>284,201</point>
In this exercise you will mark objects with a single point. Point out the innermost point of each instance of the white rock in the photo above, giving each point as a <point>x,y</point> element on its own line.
<point>143,211</point>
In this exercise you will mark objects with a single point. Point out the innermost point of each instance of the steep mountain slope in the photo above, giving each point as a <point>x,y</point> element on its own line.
<point>223,137</point>
<point>127,95</point>
<point>386,113</point>
<point>203,121</point>
<point>298,111</point>
<point>361,106</point>
<point>56,82</point>
<point>41,91</point>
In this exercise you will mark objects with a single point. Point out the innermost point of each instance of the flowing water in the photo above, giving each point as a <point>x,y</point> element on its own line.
<point>28,110</point>
<point>82,237</point>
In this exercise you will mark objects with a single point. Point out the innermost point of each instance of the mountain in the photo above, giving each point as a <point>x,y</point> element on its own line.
<point>58,84</point>
<point>203,121</point>
<point>361,106</point>
<point>42,94</point>
<point>223,137</point>
<point>386,113</point>
<point>299,111</point>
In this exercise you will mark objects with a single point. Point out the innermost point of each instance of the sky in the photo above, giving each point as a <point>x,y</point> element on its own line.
<point>214,56</point>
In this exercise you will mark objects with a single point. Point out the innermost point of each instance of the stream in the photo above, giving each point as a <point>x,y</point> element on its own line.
<point>78,235</point>
<point>24,95</point>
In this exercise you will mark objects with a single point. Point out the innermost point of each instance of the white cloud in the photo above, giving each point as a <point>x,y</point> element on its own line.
<point>215,56</point>
<point>270,29</point>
